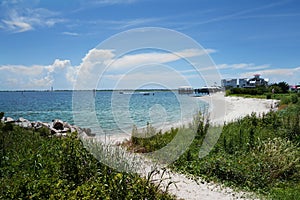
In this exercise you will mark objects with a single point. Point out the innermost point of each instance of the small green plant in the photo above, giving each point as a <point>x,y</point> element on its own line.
<point>285,100</point>
<point>294,98</point>
<point>279,157</point>
<point>227,93</point>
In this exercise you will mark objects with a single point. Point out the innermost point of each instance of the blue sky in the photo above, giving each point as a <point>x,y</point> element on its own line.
<point>45,43</point>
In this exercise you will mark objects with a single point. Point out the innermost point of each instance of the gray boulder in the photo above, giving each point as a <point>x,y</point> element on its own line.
<point>58,124</point>
<point>9,120</point>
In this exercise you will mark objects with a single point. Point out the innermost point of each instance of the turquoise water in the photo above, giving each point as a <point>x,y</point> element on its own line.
<point>115,112</point>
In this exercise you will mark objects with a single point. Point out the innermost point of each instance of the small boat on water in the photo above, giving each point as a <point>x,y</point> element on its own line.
<point>145,93</point>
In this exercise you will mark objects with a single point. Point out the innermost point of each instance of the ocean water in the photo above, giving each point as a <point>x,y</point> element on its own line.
<point>107,111</point>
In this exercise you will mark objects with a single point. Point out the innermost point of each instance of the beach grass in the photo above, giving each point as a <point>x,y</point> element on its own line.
<point>41,167</point>
<point>257,153</point>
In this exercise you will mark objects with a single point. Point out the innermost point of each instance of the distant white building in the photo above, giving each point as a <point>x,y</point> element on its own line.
<point>229,83</point>
<point>185,90</point>
<point>256,81</point>
<point>245,82</point>
<point>295,88</point>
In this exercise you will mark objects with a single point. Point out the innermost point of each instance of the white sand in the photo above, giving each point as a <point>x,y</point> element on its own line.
<point>227,109</point>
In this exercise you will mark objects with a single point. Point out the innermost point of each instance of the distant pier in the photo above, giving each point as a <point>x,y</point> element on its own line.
<point>198,91</point>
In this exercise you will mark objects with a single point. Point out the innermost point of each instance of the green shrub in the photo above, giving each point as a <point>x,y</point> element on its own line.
<point>294,98</point>
<point>8,127</point>
<point>279,158</point>
<point>285,100</point>
<point>269,96</point>
<point>227,93</point>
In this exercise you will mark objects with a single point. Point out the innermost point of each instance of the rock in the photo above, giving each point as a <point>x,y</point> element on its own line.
<point>47,125</point>
<point>54,131</point>
<point>67,125</point>
<point>25,124</point>
<point>65,130</point>
<point>87,131</point>
<point>58,134</point>
<point>56,127</point>
<point>72,129</point>
<point>37,125</point>
<point>21,119</point>
<point>58,124</point>
<point>78,129</point>
<point>9,120</point>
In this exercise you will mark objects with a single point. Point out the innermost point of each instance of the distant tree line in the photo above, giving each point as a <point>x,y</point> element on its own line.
<point>279,88</point>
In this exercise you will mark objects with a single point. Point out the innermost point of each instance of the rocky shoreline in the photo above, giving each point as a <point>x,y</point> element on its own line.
<point>56,127</point>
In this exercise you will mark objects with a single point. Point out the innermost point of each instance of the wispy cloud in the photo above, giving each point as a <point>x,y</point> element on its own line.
<point>17,26</point>
<point>244,66</point>
<point>70,33</point>
<point>137,22</point>
<point>242,14</point>
<point>121,24</point>
<point>101,3</point>
<point>24,19</point>
<point>111,2</point>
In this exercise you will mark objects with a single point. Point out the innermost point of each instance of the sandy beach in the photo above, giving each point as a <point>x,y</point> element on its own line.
<point>227,109</point>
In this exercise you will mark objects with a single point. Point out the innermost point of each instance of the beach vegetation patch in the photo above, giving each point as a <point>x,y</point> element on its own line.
<point>259,153</point>
<point>33,166</point>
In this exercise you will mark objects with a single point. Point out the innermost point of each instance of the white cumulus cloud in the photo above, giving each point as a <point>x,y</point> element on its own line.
<point>100,61</point>
<point>35,76</point>
<point>290,75</point>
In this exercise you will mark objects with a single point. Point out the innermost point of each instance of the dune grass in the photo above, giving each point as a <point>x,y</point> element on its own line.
<point>257,153</point>
<point>39,167</point>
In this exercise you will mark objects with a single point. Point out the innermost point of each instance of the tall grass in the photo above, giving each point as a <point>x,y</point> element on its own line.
<point>258,153</point>
<point>38,167</point>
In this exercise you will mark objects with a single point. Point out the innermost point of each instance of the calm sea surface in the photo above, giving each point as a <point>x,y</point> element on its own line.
<point>114,111</point>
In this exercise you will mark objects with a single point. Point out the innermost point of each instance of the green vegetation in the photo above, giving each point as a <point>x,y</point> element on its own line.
<point>149,140</point>
<point>256,153</point>
<point>33,166</point>
<point>279,91</point>
<point>275,91</point>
